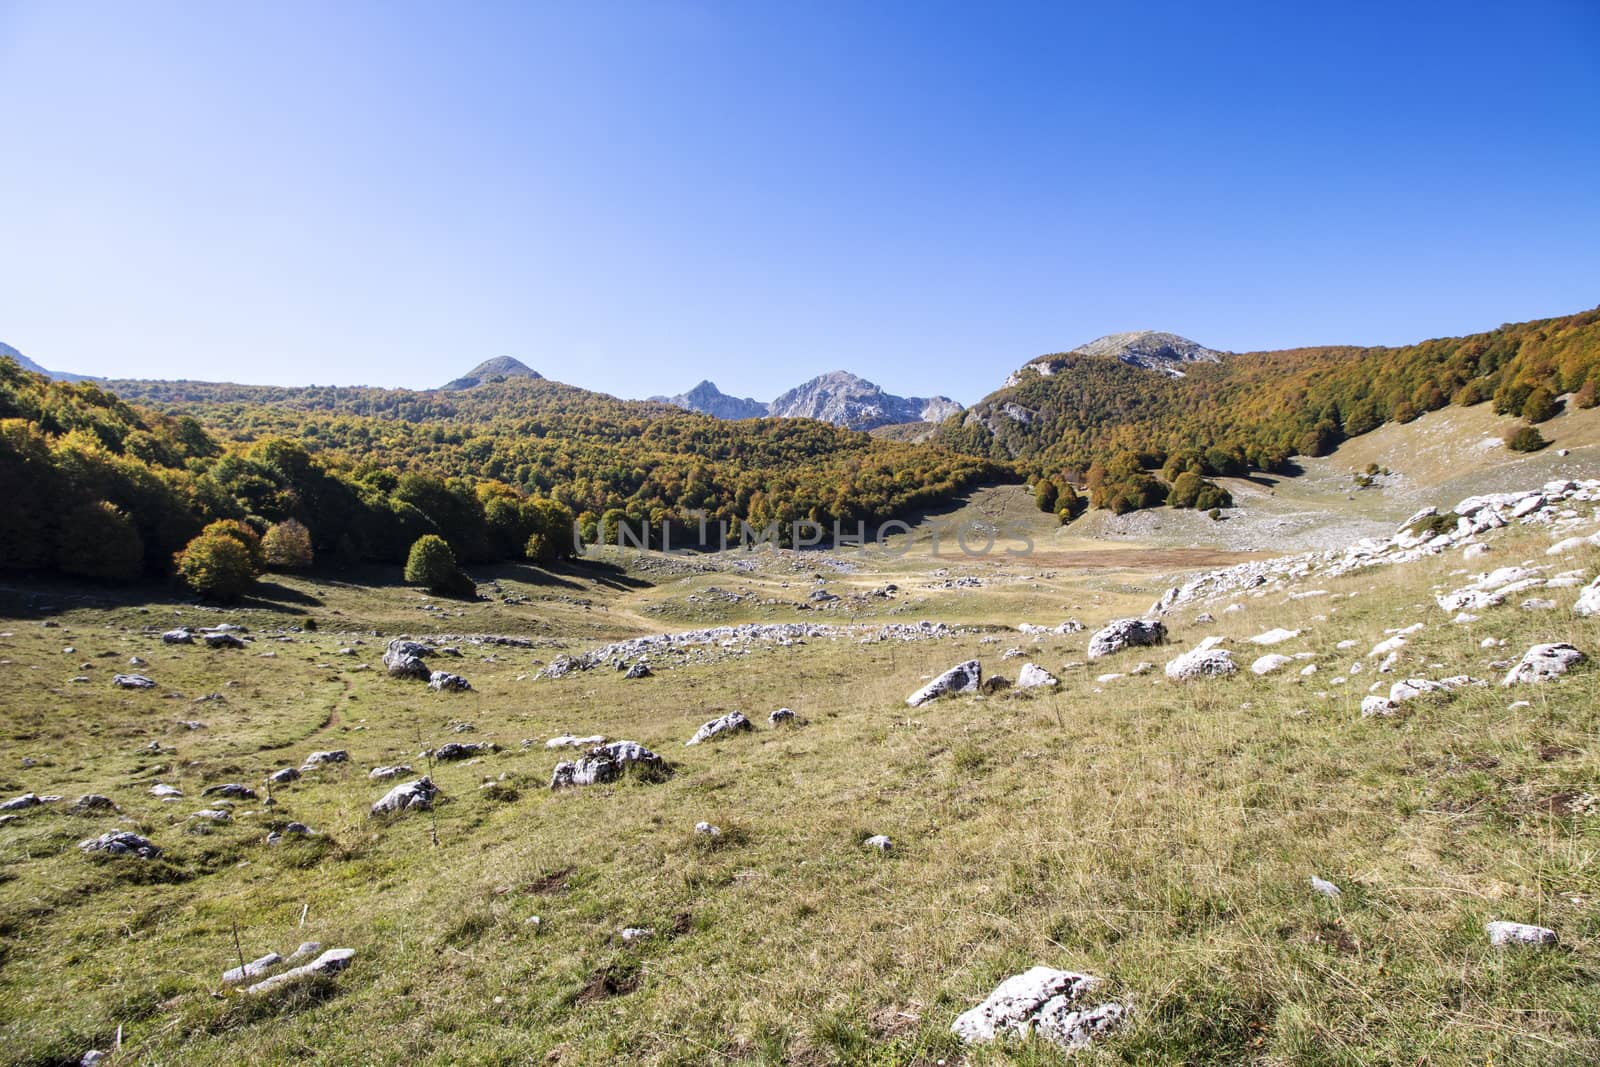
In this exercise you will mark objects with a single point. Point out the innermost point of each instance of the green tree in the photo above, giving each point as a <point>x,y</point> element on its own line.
<point>286,546</point>
<point>98,541</point>
<point>218,564</point>
<point>1540,405</point>
<point>1524,439</point>
<point>432,564</point>
<point>1045,494</point>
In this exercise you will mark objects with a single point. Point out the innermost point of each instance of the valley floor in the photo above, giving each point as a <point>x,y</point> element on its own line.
<point>1161,835</point>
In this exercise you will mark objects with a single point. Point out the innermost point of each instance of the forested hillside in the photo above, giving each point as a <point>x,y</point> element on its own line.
<point>1103,423</point>
<point>101,487</point>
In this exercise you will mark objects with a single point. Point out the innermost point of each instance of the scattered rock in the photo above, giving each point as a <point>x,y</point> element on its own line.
<point>880,842</point>
<point>253,969</point>
<point>213,815</point>
<point>634,934</point>
<point>222,640</point>
<point>403,659</point>
<point>962,678</point>
<point>1274,637</point>
<point>329,963</point>
<point>781,717</point>
<point>384,774</point>
<point>231,790</point>
<point>454,750</point>
<point>445,682</point>
<point>165,792</point>
<point>417,795</point>
<point>284,776</point>
<point>1325,887</point>
<point>638,670</point>
<point>132,681</point>
<point>569,741</point>
<point>1269,663</point>
<point>1032,676</point>
<point>121,843</point>
<point>1541,663</point>
<point>1053,1004</point>
<point>1506,933</point>
<point>1377,705</point>
<point>1202,663</point>
<point>707,830</point>
<point>322,759</point>
<point>1126,633</point>
<point>26,800</point>
<point>90,803</point>
<point>1588,604</point>
<point>607,763</point>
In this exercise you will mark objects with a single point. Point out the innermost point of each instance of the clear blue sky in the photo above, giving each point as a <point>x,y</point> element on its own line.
<point>632,197</point>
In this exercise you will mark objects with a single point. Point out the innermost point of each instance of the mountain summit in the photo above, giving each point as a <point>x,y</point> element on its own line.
<point>707,399</point>
<point>844,399</point>
<point>839,397</point>
<point>491,370</point>
<point>1150,349</point>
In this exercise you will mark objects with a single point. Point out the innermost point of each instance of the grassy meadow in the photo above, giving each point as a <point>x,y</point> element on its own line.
<point>1160,835</point>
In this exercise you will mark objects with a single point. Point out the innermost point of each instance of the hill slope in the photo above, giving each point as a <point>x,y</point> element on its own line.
<point>493,370</point>
<point>1259,409</point>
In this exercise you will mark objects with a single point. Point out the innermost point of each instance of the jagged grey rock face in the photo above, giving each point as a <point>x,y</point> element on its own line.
<point>329,963</point>
<point>606,763</point>
<point>403,659</point>
<point>1541,663</point>
<point>417,795</point>
<point>445,682</point>
<point>1054,1004</point>
<point>121,843</point>
<point>962,678</point>
<point>1504,933</point>
<point>1202,663</point>
<point>1032,677</point>
<point>1126,633</point>
<point>845,400</point>
<point>731,723</point>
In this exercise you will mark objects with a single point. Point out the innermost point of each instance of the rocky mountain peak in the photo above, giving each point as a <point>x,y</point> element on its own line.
<point>707,399</point>
<point>496,369</point>
<point>1151,349</point>
<point>846,399</point>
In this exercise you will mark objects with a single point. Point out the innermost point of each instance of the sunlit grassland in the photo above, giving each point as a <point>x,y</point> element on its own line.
<point>1159,835</point>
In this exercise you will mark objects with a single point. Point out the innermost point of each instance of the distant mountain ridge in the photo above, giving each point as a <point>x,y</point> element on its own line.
<point>490,370</point>
<point>838,397</point>
<point>30,365</point>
